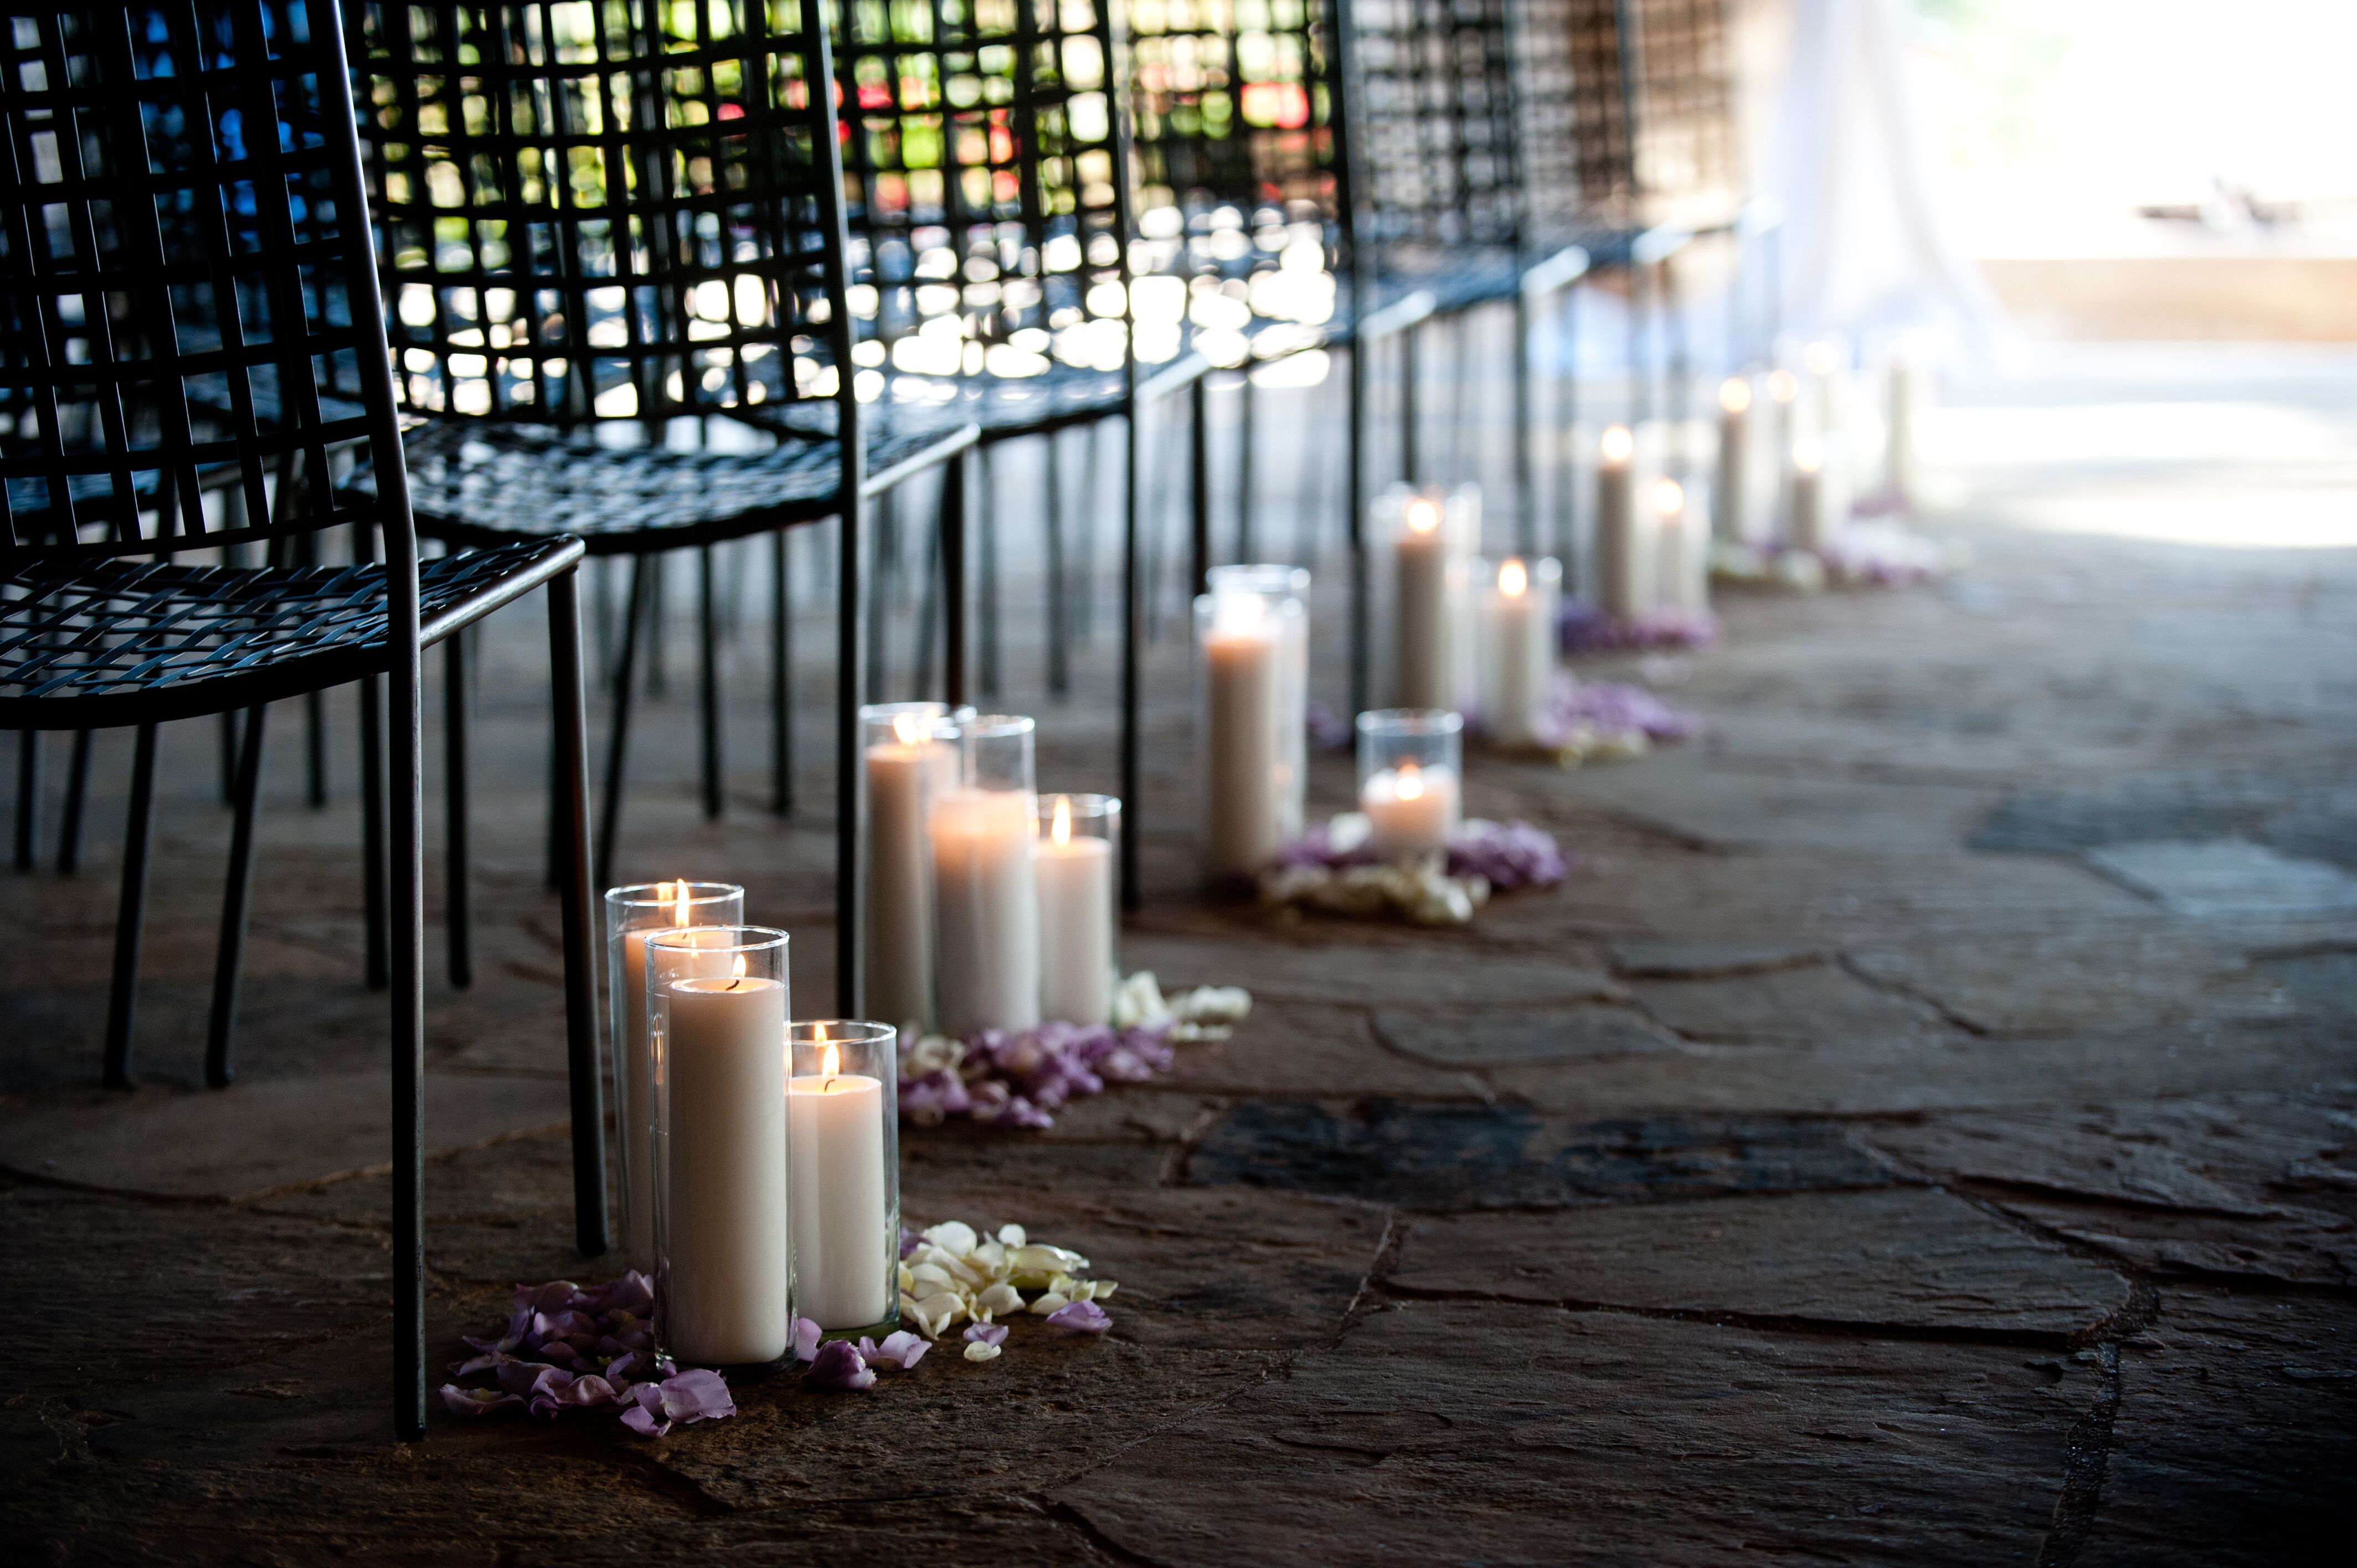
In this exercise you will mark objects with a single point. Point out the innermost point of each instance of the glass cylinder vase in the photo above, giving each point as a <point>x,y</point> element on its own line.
<point>1425,542</point>
<point>1410,768</point>
<point>1285,590</point>
<point>1519,601</point>
<point>908,759</point>
<point>718,1013</point>
<point>1240,728</point>
<point>1080,921</point>
<point>985,881</point>
<point>632,914</point>
<point>843,1115</point>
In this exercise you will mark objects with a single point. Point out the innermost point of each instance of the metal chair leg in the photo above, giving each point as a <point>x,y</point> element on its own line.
<point>580,990</point>
<point>1199,487</point>
<point>953,590</point>
<point>76,797</point>
<point>609,810</point>
<point>1059,668</point>
<point>1245,550</point>
<point>28,798</point>
<point>131,912</point>
<point>372,885</point>
<point>708,688</point>
<point>457,859</point>
<point>1133,629</point>
<point>407,929</point>
<point>1354,501</point>
<point>921,685</point>
<point>1411,373</point>
<point>657,609</point>
<point>1527,501</point>
<point>991,669</point>
<point>850,690</point>
<point>781,676</point>
<point>237,897</point>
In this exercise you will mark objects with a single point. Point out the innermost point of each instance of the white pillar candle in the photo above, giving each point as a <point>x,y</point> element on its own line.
<point>1620,563</point>
<point>1905,398</point>
<point>1521,656</point>
<point>1733,521</point>
<point>902,775</point>
<point>636,1111</point>
<point>838,1191</point>
<point>986,910</point>
<point>1683,551</point>
<point>1421,563</point>
<point>1410,810</point>
<point>1245,687</point>
<point>724,1212</point>
<point>1820,504</point>
<point>1076,967</point>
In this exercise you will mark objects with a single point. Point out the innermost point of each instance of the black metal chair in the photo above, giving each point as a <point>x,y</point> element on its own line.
<point>195,166</point>
<point>612,240</point>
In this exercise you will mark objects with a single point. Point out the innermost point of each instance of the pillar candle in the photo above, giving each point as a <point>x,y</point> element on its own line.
<point>986,910</point>
<point>1421,568</point>
<point>1410,810</point>
<point>1620,563</point>
<point>1733,522</point>
<point>1905,397</point>
<point>725,1213</point>
<point>1520,657</point>
<point>841,1251</point>
<point>1783,430</point>
<point>1244,687</point>
<point>636,1111</point>
<point>1076,967</point>
<point>1808,510</point>
<point>902,775</point>
<point>1683,551</point>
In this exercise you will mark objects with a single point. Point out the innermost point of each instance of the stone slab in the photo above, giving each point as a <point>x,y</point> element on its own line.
<point>1816,1003</point>
<point>1684,794</point>
<point>1367,965</point>
<point>2228,878</point>
<point>1707,960</point>
<point>1898,1259</point>
<point>1463,1037</point>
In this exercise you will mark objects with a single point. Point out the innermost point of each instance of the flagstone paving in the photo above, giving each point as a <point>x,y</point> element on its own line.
<point>1849,1162</point>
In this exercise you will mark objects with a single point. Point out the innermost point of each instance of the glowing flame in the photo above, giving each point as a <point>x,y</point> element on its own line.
<point>738,971</point>
<point>909,728</point>
<point>1061,830</point>
<point>1808,455</point>
<point>831,1063</point>
<point>1669,498</point>
<point>1783,385</point>
<point>1514,579</point>
<point>1422,515</point>
<point>1618,445</point>
<point>1735,394</point>
<point>1410,786</point>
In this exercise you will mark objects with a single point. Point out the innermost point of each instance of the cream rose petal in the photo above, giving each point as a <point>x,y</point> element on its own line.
<point>981,1350</point>
<point>1050,1303</point>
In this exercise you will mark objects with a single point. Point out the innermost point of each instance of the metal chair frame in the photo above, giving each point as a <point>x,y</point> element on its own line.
<point>190,274</point>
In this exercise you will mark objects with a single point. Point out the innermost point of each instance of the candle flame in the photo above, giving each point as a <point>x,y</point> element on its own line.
<point>1422,515</point>
<point>1410,785</point>
<point>1808,455</point>
<point>679,904</point>
<point>831,1063</point>
<point>909,728</point>
<point>818,1032</point>
<point>1619,445</point>
<point>1783,385</point>
<point>1669,498</point>
<point>739,973</point>
<point>1735,394</point>
<point>1061,830</point>
<point>1514,579</point>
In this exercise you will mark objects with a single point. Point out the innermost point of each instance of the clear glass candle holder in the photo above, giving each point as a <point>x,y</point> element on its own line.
<point>1519,600</point>
<point>716,1028</point>
<point>1410,771</point>
<point>1284,591</point>
<point>843,1115</point>
<point>1425,542</point>
<point>985,882</point>
<point>1241,652</point>
<point>909,757</point>
<point>1080,921</point>
<point>631,914</point>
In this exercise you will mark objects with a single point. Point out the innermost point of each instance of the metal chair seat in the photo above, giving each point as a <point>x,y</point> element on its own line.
<point>93,645</point>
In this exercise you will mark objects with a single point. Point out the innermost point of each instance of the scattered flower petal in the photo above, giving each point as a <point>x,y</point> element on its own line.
<point>1049,1303</point>
<point>899,1351</point>
<point>1080,1317</point>
<point>986,1333</point>
<point>839,1367</point>
<point>806,1337</point>
<point>982,1350</point>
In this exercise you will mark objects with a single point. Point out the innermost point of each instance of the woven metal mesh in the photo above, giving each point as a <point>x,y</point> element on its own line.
<point>176,258</point>
<point>1438,124</point>
<point>1670,79</point>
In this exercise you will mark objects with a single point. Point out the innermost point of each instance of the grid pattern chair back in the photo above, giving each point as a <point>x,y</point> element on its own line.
<point>983,153</point>
<point>609,210</point>
<point>188,277</point>
<point>1438,121</point>
<point>1652,92</point>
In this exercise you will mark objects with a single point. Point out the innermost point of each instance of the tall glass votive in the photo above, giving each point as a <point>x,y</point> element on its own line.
<point>631,914</point>
<point>985,881</point>
<point>1241,686</point>
<point>1427,541</point>
<point>717,1026</point>
<point>1517,664</point>
<point>910,757</point>
<point>1286,592</point>
<point>844,1116</point>
<point>1080,925</point>
<point>1410,766</point>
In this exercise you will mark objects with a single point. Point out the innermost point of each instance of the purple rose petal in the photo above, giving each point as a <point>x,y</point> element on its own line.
<point>639,1419</point>
<point>475,1401</point>
<point>986,1333</point>
<point>839,1368</point>
<point>697,1395</point>
<point>1080,1317</point>
<point>806,1334</point>
<point>899,1351</point>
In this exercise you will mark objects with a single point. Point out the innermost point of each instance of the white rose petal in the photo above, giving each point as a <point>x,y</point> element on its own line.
<point>956,1237</point>
<point>979,1350</point>
<point>1012,1235</point>
<point>1050,1303</point>
<point>1001,1298</point>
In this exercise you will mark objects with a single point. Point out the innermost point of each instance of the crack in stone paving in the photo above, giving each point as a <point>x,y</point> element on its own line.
<point>2086,1454</point>
<point>1899,988</point>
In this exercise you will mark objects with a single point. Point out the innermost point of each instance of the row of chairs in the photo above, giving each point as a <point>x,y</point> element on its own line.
<point>655,277</point>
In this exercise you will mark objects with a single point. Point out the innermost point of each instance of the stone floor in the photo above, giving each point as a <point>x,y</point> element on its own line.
<point>1924,1129</point>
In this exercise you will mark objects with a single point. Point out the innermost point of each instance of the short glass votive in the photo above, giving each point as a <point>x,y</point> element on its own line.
<point>631,914</point>
<point>1519,601</point>
<point>1410,768</point>
<point>909,757</point>
<point>844,1112</point>
<point>1080,923</point>
<point>717,1012</point>
<point>1285,590</point>
<point>985,882</point>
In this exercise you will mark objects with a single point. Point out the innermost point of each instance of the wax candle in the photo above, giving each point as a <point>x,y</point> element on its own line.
<point>1733,521</point>
<point>1284,594</point>
<point>1421,563</point>
<point>1621,576</point>
<point>724,1212</point>
<point>1076,922</point>
<point>1410,810</point>
<point>1244,685</point>
<point>1906,396</point>
<point>1820,505</point>
<point>986,910</point>
<point>839,1197</point>
<point>903,774</point>
<point>1519,657</point>
<point>1685,551</point>
<point>1828,387</point>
